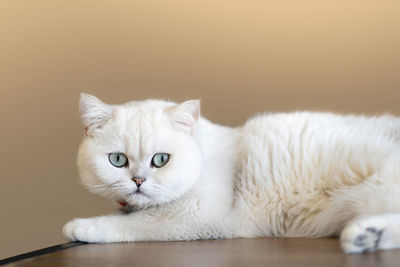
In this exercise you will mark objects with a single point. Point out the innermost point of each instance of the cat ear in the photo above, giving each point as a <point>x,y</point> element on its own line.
<point>185,115</point>
<point>94,113</point>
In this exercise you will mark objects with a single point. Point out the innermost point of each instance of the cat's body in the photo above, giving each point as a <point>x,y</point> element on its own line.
<point>292,175</point>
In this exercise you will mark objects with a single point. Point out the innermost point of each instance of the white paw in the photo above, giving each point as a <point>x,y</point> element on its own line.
<point>362,235</point>
<point>83,230</point>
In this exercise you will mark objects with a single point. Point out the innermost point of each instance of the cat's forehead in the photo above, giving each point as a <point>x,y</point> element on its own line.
<point>142,114</point>
<point>138,123</point>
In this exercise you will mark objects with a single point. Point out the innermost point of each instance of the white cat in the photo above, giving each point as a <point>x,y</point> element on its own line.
<point>290,174</point>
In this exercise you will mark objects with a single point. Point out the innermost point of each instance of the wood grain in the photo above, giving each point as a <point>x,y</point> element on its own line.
<point>235,252</point>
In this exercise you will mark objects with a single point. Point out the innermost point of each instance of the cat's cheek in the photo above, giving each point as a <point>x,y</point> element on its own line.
<point>87,230</point>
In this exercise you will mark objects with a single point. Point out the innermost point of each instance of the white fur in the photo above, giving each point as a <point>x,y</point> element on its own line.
<point>291,174</point>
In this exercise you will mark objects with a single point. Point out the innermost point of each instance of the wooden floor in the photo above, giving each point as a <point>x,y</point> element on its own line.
<point>236,252</point>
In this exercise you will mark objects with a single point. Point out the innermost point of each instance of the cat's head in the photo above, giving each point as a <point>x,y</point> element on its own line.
<point>141,152</point>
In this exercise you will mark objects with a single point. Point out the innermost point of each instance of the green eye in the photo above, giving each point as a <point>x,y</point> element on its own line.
<point>118,159</point>
<point>159,160</point>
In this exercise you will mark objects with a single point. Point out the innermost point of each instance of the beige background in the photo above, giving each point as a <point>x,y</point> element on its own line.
<point>239,57</point>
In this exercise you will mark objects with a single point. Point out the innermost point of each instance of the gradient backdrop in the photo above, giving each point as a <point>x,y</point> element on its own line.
<point>238,57</point>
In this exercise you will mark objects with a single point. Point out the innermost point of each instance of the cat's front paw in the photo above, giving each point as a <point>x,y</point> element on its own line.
<point>362,235</point>
<point>83,230</point>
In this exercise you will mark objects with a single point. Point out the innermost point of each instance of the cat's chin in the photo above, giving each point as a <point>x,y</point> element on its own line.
<point>139,200</point>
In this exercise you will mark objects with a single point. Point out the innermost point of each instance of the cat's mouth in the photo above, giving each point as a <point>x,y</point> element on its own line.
<point>138,192</point>
<point>133,196</point>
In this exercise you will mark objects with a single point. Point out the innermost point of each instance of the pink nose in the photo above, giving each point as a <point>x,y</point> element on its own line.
<point>138,181</point>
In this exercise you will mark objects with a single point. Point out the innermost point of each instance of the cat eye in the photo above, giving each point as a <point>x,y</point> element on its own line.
<point>159,160</point>
<point>118,159</point>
